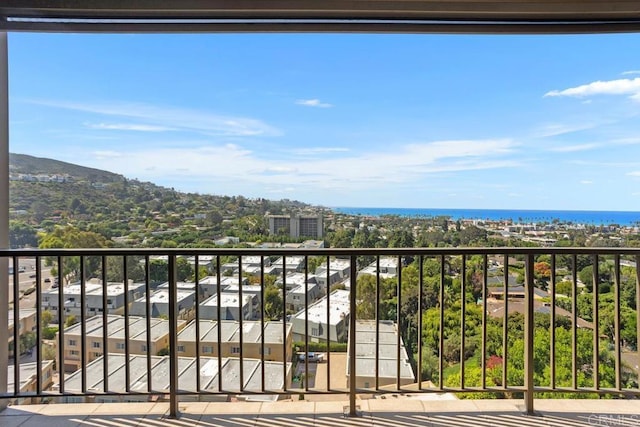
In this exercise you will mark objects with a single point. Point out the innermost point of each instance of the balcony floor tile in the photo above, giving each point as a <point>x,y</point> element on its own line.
<point>401,412</point>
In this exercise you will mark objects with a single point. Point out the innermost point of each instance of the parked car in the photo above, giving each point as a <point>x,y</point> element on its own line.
<point>312,357</point>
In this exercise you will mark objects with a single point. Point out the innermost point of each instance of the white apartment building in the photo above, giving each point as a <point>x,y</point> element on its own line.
<point>387,349</point>
<point>339,270</point>
<point>159,303</point>
<point>230,307</point>
<point>296,226</point>
<point>290,264</point>
<point>93,298</point>
<point>296,297</point>
<point>388,268</point>
<point>336,325</point>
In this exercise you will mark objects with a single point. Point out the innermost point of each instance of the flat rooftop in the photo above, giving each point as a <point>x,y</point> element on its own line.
<point>317,312</point>
<point>116,327</point>
<point>227,299</point>
<point>113,289</point>
<point>230,331</point>
<point>188,372</point>
<point>387,351</point>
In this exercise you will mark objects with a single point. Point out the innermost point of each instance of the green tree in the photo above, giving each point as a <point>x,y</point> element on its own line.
<point>22,235</point>
<point>73,237</point>
<point>273,304</point>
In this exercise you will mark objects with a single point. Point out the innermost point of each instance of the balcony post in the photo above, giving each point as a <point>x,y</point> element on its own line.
<point>173,338</point>
<point>4,215</point>
<point>529,326</point>
<point>352,337</point>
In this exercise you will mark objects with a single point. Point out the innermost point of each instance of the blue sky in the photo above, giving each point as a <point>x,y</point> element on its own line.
<point>432,121</point>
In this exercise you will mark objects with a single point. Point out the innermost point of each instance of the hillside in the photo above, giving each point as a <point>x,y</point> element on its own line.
<point>139,212</point>
<point>25,164</point>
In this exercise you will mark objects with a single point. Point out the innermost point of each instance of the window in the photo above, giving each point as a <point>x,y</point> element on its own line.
<point>235,350</point>
<point>314,332</point>
<point>97,354</point>
<point>207,349</point>
<point>74,352</point>
<point>95,344</point>
<point>181,349</point>
<point>143,348</point>
<point>267,350</point>
<point>120,346</point>
<point>72,343</point>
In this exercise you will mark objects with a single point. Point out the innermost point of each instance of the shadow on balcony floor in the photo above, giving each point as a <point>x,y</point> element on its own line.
<point>397,413</point>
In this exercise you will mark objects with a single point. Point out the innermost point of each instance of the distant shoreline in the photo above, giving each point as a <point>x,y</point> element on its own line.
<point>622,218</point>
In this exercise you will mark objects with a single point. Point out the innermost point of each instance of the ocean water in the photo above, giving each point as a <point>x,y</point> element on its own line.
<point>623,218</point>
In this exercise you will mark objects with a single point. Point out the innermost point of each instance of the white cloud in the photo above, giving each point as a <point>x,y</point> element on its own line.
<point>556,129</point>
<point>586,182</point>
<point>128,127</point>
<point>630,72</point>
<point>177,118</point>
<point>237,168</point>
<point>629,87</point>
<point>313,103</point>
<point>106,154</point>
<point>634,174</point>
<point>319,150</point>
<point>574,148</point>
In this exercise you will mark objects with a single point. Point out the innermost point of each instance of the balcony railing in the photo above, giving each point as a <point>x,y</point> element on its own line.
<point>413,320</point>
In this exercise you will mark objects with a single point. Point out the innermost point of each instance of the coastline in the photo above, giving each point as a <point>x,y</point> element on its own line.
<point>622,218</point>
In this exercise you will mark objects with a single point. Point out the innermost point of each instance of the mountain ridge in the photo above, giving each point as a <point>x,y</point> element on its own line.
<point>27,164</point>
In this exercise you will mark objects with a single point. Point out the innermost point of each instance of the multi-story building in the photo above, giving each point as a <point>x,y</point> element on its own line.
<point>159,303</point>
<point>26,323</point>
<point>387,351</point>
<point>275,345</point>
<point>116,342</point>
<point>277,376</point>
<point>29,379</point>
<point>297,298</point>
<point>336,325</point>
<point>296,225</point>
<point>388,268</point>
<point>230,307</point>
<point>338,270</point>
<point>93,297</point>
<point>290,264</point>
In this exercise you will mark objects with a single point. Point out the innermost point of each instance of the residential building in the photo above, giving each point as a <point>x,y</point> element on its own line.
<point>296,225</point>
<point>335,324</point>
<point>290,264</point>
<point>250,265</point>
<point>339,270</point>
<point>296,279</point>
<point>230,307</point>
<point>93,297</point>
<point>29,381</point>
<point>274,344</point>
<point>159,303</point>
<point>116,342</point>
<point>388,268</point>
<point>297,298</point>
<point>276,374</point>
<point>386,348</point>
<point>26,323</point>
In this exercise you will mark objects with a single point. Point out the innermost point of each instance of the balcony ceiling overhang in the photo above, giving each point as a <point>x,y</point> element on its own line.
<point>375,16</point>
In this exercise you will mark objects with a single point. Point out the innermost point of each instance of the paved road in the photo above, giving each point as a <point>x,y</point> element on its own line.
<point>27,280</point>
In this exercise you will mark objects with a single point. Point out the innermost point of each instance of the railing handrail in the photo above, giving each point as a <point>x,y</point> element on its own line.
<point>462,301</point>
<point>469,250</point>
